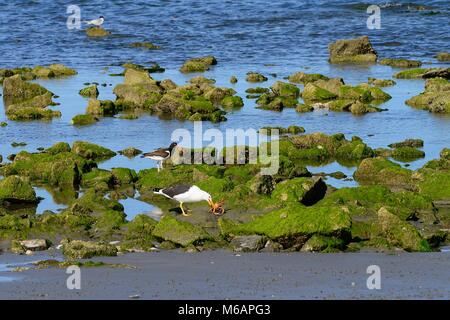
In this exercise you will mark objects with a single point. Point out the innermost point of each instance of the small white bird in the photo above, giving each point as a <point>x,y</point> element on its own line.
<point>160,154</point>
<point>185,193</point>
<point>96,22</point>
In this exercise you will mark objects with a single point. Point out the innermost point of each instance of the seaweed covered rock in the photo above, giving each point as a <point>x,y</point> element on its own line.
<point>401,233</point>
<point>435,98</point>
<point>97,32</point>
<point>381,82</point>
<point>91,151</point>
<point>138,234</point>
<point>304,78</point>
<point>26,101</point>
<point>284,89</point>
<point>443,56</point>
<point>14,189</point>
<point>384,172</point>
<point>315,93</point>
<point>255,77</point>
<point>124,176</point>
<point>413,143</point>
<point>58,147</point>
<point>407,154</point>
<point>400,63</point>
<point>83,120</point>
<point>198,64</point>
<point>61,169</point>
<point>423,73</point>
<point>358,50</point>
<point>53,71</point>
<point>91,91</point>
<point>248,243</point>
<point>130,152</point>
<point>293,225</point>
<point>232,102</point>
<point>96,176</point>
<point>146,45</point>
<point>101,107</point>
<point>306,191</point>
<point>282,95</point>
<point>77,249</point>
<point>179,232</point>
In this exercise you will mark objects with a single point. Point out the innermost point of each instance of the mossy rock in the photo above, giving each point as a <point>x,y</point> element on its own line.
<point>83,120</point>
<point>384,172</point>
<point>61,169</point>
<point>443,56</point>
<point>307,191</point>
<point>77,249</point>
<point>445,153</point>
<point>255,77</point>
<point>381,82</point>
<point>289,130</point>
<point>180,232</point>
<point>18,94</point>
<point>30,113</point>
<point>232,102</point>
<point>198,64</point>
<point>97,32</point>
<point>101,107</point>
<point>138,234</point>
<point>400,63</point>
<point>90,92</point>
<point>304,78</point>
<point>413,143</point>
<point>416,73</point>
<point>401,233</point>
<point>285,89</point>
<point>58,147</point>
<point>314,93</point>
<point>292,223</point>
<point>92,151</point>
<point>407,154</point>
<point>233,79</point>
<point>14,189</point>
<point>257,90</point>
<point>124,176</point>
<point>318,243</point>
<point>358,50</point>
<point>146,45</point>
<point>96,176</point>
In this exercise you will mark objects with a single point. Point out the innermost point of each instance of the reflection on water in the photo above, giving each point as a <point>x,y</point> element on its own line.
<point>48,201</point>
<point>133,207</point>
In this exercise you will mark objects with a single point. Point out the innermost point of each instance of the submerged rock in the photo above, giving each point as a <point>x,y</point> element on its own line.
<point>198,64</point>
<point>14,189</point>
<point>443,56</point>
<point>407,154</point>
<point>414,143</point>
<point>304,78</point>
<point>358,50</point>
<point>400,63</point>
<point>130,152</point>
<point>146,45</point>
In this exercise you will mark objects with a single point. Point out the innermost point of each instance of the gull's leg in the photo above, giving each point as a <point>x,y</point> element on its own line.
<point>182,210</point>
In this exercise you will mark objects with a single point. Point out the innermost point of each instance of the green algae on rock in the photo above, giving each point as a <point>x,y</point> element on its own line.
<point>77,249</point>
<point>232,102</point>
<point>304,78</point>
<point>97,32</point>
<point>101,107</point>
<point>435,98</point>
<point>83,120</point>
<point>130,152</point>
<point>90,92</point>
<point>255,77</point>
<point>146,45</point>
<point>400,63</point>
<point>92,151</point>
<point>443,56</point>
<point>182,233</point>
<point>358,50</point>
<point>14,189</point>
<point>381,82</point>
<point>407,154</point>
<point>201,64</point>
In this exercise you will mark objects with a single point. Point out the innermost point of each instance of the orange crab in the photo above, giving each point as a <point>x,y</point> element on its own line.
<point>217,208</point>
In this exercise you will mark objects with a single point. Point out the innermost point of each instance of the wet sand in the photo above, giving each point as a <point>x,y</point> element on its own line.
<point>225,275</point>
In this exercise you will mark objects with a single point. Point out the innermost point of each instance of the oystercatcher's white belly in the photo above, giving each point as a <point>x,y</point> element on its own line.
<point>157,158</point>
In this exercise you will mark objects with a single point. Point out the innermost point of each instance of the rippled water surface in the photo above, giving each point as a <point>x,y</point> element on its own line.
<point>272,37</point>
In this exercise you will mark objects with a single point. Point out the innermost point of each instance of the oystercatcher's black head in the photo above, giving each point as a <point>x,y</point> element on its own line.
<point>172,145</point>
<point>102,17</point>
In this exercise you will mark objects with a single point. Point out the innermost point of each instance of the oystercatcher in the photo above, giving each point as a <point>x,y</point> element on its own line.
<point>160,154</point>
<point>185,193</point>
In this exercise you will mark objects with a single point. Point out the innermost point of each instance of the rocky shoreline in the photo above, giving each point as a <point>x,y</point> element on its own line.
<point>392,208</point>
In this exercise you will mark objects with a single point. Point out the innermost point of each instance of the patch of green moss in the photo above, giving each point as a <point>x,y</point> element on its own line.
<point>92,151</point>
<point>83,120</point>
<point>78,249</point>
